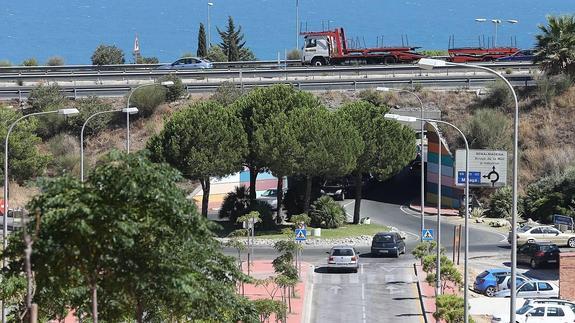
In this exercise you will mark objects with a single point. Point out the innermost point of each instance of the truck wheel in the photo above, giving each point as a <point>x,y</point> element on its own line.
<point>317,61</point>
<point>389,60</point>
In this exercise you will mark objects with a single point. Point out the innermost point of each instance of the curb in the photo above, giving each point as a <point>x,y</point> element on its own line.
<point>421,302</point>
<point>307,305</point>
<point>411,207</point>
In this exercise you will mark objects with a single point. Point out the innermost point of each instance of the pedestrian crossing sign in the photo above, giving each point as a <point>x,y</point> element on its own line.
<point>300,234</point>
<point>427,235</point>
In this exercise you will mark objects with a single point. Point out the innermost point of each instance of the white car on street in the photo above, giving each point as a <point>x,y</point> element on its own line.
<point>533,289</point>
<point>540,313</point>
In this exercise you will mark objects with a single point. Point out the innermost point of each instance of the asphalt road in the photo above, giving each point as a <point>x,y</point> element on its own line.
<point>383,290</point>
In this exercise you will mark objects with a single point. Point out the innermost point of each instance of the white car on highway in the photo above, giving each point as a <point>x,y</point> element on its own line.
<point>533,289</point>
<point>540,313</point>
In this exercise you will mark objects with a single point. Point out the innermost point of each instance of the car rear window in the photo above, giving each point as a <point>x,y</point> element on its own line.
<point>549,247</point>
<point>483,274</point>
<point>383,238</point>
<point>342,252</point>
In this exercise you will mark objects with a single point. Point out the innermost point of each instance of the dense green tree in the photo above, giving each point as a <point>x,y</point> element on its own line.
<point>25,161</point>
<point>327,145</point>
<point>147,99</point>
<point>174,92</point>
<point>30,62</point>
<point>550,195</point>
<point>108,55</point>
<point>216,54</point>
<point>256,110</point>
<point>202,47</point>
<point>203,141</point>
<point>44,98</point>
<point>232,40</point>
<point>555,48</point>
<point>130,240</point>
<point>387,146</point>
<point>227,93</point>
<point>55,61</point>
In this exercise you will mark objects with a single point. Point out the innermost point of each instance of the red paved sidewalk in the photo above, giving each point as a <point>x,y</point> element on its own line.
<point>432,210</point>
<point>428,295</point>
<point>262,269</point>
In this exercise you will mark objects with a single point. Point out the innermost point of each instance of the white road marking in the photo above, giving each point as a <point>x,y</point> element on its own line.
<point>361,268</point>
<point>363,311</point>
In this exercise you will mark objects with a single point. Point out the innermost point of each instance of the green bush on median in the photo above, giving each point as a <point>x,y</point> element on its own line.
<point>326,213</point>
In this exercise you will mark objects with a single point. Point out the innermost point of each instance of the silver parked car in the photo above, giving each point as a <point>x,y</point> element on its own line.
<point>343,258</point>
<point>533,289</point>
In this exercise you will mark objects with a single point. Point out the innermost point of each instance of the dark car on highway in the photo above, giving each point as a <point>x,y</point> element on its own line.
<point>388,243</point>
<point>525,55</point>
<point>537,254</point>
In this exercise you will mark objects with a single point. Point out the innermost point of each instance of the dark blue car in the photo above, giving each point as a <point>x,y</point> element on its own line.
<point>525,55</point>
<point>487,282</point>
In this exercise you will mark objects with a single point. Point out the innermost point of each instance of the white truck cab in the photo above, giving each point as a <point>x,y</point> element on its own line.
<point>316,50</point>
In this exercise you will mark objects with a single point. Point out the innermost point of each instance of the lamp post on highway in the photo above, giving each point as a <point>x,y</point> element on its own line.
<point>209,28</point>
<point>296,24</point>
<point>496,22</point>
<point>422,202</point>
<point>429,63</point>
<point>64,112</point>
<point>129,110</point>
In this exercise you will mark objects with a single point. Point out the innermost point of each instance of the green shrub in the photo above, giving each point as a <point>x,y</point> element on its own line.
<point>55,61</point>
<point>226,94</point>
<point>500,203</point>
<point>216,54</point>
<point>266,215</point>
<point>65,150</point>
<point>294,54</point>
<point>247,54</point>
<point>30,62</point>
<point>147,60</point>
<point>499,96</point>
<point>5,63</point>
<point>147,99</point>
<point>374,97</point>
<point>46,97</point>
<point>108,55</point>
<point>488,129</point>
<point>174,92</point>
<point>451,309</point>
<point>87,107</point>
<point>551,195</point>
<point>549,87</point>
<point>327,213</point>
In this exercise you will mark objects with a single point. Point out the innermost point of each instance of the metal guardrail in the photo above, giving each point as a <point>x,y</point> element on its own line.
<point>464,82</point>
<point>240,73</point>
<point>130,67</point>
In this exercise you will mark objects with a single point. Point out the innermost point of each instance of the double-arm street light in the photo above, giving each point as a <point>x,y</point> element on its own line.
<point>422,202</point>
<point>466,241</point>
<point>496,22</point>
<point>64,112</point>
<point>129,110</point>
<point>126,110</point>
<point>429,63</point>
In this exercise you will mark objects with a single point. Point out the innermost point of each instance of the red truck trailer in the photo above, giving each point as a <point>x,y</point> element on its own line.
<point>331,48</point>
<point>479,54</point>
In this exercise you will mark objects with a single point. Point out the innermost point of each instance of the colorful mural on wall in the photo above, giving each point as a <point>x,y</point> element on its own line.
<point>450,194</point>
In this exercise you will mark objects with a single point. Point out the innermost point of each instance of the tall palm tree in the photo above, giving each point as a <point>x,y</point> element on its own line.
<point>555,48</point>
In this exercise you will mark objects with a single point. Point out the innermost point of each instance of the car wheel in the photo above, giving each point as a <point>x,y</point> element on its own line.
<point>533,264</point>
<point>490,291</point>
<point>396,253</point>
<point>342,196</point>
<point>571,243</point>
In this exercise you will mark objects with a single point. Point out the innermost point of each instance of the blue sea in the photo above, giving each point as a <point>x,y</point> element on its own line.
<point>166,29</point>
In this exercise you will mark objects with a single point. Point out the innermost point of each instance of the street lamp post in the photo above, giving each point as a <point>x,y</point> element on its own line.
<point>429,63</point>
<point>496,22</point>
<point>82,135</point>
<point>209,28</point>
<point>422,202</point>
<point>64,112</point>
<point>129,110</point>
<point>431,122</point>
<point>297,24</point>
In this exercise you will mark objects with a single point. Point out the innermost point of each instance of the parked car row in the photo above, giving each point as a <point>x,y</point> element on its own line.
<point>544,310</point>
<point>497,283</point>
<point>543,233</point>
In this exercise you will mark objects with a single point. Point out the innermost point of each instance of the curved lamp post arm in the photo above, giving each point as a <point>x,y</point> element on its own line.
<point>82,140</point>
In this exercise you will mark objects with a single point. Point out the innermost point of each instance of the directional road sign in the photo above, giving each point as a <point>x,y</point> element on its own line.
<point>427,234</point>
<point>562,219</point>
<point>300,234</point>
<point>487,168</point>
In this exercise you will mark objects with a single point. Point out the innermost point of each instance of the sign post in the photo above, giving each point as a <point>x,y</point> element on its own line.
<point>487,168</point>
<point>300,237</point>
